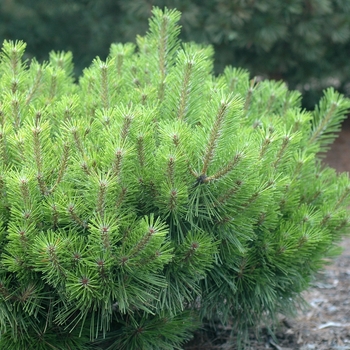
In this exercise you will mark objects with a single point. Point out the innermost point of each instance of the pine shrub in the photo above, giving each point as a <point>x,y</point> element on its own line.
<point>151,196</point>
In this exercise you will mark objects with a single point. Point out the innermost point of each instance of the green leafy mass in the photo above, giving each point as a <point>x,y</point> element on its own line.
<point>152,196</point>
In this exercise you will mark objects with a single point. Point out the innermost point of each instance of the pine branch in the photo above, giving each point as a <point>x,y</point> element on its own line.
<point>53,86</point>
<point>214,136</point>
<point>125,130</point>
<point>36,83</point>
<point>227,168</point>
<point>71,209</point>
<point>185,91</point>
<point>224,198</point>
<point>328,116</point>
<point>140,146</point>
<point>283,148</point>
<point>36,131</point>
<point>104,85</point>
<point>163,27</point>
<point>63,167</point>
<point>248,98</point>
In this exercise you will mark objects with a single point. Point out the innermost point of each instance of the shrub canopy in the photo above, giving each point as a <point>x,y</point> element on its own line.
<point>153,195</point>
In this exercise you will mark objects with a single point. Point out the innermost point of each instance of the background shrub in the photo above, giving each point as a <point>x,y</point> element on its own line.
<point>304,42</point>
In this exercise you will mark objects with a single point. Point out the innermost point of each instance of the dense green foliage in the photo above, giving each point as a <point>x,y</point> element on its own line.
<point>153,195</point>
<point>304,42</point>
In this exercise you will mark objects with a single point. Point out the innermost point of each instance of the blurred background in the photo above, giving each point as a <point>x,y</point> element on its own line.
<point>304,42</point>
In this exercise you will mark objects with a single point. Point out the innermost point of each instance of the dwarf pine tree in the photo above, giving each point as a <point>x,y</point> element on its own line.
<point>152,195</point>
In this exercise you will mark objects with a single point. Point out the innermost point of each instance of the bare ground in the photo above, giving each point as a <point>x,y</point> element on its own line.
<point>325,323</point>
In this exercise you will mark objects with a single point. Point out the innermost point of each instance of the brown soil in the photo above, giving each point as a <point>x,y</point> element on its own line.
<point>325,322</point>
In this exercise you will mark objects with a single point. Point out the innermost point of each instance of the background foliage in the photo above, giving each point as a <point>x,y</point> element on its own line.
<point>304,42</point>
